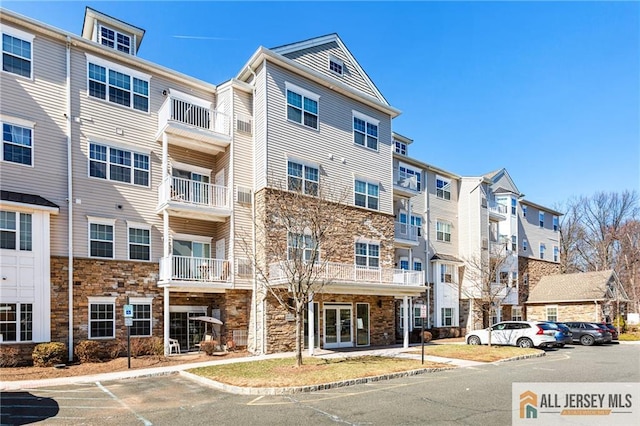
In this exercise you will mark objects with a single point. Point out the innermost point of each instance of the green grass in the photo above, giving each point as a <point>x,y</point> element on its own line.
<point>629,337</point>
<point>282,372</point>
<point>480,353</point>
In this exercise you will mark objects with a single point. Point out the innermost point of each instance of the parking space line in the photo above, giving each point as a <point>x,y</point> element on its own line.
<point>108,392</point>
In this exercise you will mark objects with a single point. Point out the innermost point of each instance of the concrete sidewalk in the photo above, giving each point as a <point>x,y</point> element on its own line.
<point>397,351</point>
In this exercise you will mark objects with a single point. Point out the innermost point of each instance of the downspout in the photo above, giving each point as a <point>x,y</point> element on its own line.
<point>427,261</point>
<point>266,168</point>
<point>69,197</point>
<point>253,217</point>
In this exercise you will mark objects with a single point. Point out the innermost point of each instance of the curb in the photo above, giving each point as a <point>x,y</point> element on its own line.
<point>517,358</point>
<point>238,390</point>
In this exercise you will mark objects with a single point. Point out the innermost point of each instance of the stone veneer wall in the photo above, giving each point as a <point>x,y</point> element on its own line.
<point>578,311</point>
<point>531,270</point>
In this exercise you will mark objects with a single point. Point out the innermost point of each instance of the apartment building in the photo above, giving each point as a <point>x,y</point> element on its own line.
<point>124,182</point>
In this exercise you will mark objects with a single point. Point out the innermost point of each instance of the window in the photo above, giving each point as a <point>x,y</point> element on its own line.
<point>446,273</point>
<point>504,278</point>
<point>142,319</point>
<point>115,40</point>
<point>514,243</point>
<point>525,245</point>
<point>443,188</point>
<point>401,147</point>
<point>417,222</point>
<point>556,253</point>
<point>16,322</point>
<point>404,263</point>
<point>118,85</point>
<point>516,313</point>
<point>17,144</point>
<point>17,55</point>
<point>447,317</point>
<point>16,231</point>
<point>302,248</point>
<point>406,174</point>
<point>119,165</point>
<point>552,313</point>
<point>542,249</point>
<point>365,130</point>
<point>102,322</point>
<point>555,223</point>
<point>302,106</point>
<point>417,319</point>
<point>336,65</point>
<point>417,265</point>
<point>302,178</point>
<point>524,211</point>
<point>443,231</point>
<point>139,243</point>
<point>514,206</point>
<point>541,219</point>
<point>368,255</point>
<point>101,238</point>
<point>514,279</point>
<point>366,194</point>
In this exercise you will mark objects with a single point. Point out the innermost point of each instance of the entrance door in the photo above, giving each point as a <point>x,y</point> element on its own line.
<point>337,327</point>
<point>187,331</point>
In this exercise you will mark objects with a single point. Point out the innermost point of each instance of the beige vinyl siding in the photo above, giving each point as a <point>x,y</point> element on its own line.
<point>529,229</point>
<point>42,101</point>
<point>317,58</point>
<point>443,210</point>
<point>260,129</point>
<point>332,146</point>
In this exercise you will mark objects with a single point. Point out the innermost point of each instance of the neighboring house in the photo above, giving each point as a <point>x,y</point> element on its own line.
<point>584,296</point>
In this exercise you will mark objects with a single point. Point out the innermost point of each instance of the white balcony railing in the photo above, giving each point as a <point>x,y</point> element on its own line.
<point>199,269</point>
<point>187,191</point>
<point>504,294</point>
<point>404,231</point>
<point>500,209</point>
<point>182,111</point>
<point>342,272</point>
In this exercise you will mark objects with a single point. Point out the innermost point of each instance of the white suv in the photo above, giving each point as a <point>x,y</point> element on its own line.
<point>525,334</point>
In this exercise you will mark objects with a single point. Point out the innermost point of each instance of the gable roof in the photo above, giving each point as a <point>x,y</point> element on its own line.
<point>501,182</point>
<point>582,286</point>
<point>287,49</point>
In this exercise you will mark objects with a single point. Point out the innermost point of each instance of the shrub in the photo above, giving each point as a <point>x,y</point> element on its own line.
<point>8,356</point>
<point>427,336</point>
<point>141,346</point>
<point>90,351</point>
<point>620,324</point>
<point>49,354</point>
<point>210,346</point>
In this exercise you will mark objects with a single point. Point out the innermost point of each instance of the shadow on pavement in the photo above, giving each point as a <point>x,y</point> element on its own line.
<point>21,408</point>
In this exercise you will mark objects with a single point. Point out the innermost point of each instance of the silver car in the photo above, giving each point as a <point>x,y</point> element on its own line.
<point>525,334</point>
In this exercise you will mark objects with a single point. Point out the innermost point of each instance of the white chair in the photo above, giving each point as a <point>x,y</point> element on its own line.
<point>174,345</point>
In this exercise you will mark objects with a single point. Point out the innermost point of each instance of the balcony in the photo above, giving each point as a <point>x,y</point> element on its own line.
<point>190,199</point>
<point>191,123</point>
<point>406,235</point>
<point>194,272</point>
<point>497,211</point>
<point>504,294</point>
<point>343,273</point>
<point>405,185</point>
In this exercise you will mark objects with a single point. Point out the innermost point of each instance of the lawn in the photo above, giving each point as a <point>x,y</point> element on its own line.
<point>629,337</point>
<point>282,372</point>
<point>476,352</point>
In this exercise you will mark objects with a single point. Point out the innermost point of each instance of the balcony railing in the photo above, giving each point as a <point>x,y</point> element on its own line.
<point>499,209</point>
<point>198,269</point>
<point>342,272</point>
<point>187,191</point>
<point>178,110</point>
<point>404,231</point>
<point>504,294</point>
<point>404,182</point>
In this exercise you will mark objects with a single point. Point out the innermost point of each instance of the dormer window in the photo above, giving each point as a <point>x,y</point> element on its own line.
<point>115,39</point>
<point>401,147</point>
<point>336,65</point>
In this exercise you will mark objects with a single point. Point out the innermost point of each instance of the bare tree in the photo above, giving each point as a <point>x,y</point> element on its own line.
<point>487,278</point>
<point>629,237</point>
<point>297,237</point>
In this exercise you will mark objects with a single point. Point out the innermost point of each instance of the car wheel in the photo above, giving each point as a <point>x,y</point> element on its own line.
<point>473,340</point>
<point>525,342</point>
<point>587,340</point>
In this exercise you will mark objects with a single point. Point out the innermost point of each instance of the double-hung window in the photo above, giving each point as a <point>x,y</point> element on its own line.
<point>443,231</point>
<point>417,265</point>
<point>139,242</point>
<point>446,273</point>
<point>117,84</point>
<point>541,219</point>
<point>101,237</point>
<point>443,188</point>
<point>514,243</point>
<point>401,147</point>
<point>302,248</point>
<point>524,211</point>
<point>367,254</point>
<point>542,249</point>
<point>366,194</point>
<point>16,322</point>
<point>556,254</point>
<point>119,165</point>
<point>302,106</point>
<point>302,178</point>
<point>142,318</point>
<point>556,224</point>
<point>17,52</point>
<point>16,231</point>
<point>447,317</point>
<point>514,206</point>
<point>115,40</point>
<point>417,222</point>
<point>525,245</point>
<point>365,130</point>
<point>410,177</point>
<point>551,312</point>
<point>102,323</point>
<point>17,144</point>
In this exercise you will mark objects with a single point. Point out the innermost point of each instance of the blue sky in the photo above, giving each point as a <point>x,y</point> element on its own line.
<point>549,90</point>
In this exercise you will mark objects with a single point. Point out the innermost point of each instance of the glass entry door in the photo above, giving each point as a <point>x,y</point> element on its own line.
<point>337,326</point>
<point>187,331</point>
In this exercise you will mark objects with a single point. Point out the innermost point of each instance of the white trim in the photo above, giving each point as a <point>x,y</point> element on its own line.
<point>192,238</point>
<point>338,61</point>
<point>102,299</point>
<point>14,32</point>
<point>365,117</point>
<point>139,225</point>
<point>188,308</point>
<point>101,220</point>
<point>119,68</point>
<point>304,92</point>
<point>191,168</point>
<point>367,180</point>
<point>120,145</point>
<point>8,119</point>
<point>141,300</point>
<point>365,240</point>
<point>295,159</point>
<point>190,98</point>
<point>145,227</point>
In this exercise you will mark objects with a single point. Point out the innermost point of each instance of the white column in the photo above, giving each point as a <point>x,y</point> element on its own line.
<point>311,325</point>
<point>405,321</point>
<point>166,321</point>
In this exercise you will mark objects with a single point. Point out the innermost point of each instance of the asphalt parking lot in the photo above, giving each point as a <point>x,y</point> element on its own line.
<point>475,395</point>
